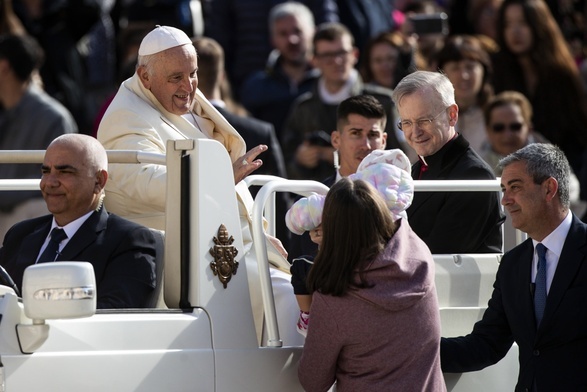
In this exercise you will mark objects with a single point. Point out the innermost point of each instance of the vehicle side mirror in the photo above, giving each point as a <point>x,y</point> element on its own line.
<point>59,290</point>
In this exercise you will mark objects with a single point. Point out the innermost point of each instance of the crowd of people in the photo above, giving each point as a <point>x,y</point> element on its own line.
<point>311,90</point>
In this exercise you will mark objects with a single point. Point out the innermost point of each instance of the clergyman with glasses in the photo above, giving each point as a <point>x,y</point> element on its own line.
<point>308,156</point>
<point>448,222</point>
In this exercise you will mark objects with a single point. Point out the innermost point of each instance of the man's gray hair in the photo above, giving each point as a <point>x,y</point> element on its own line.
<point>291,8</point>
<point>420,80</point>
<point>543,161</point>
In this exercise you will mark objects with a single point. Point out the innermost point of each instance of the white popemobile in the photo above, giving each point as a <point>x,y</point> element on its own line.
<point>199,334</point>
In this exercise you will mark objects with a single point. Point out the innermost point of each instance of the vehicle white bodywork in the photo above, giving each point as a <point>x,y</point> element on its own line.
<point>202,337</point>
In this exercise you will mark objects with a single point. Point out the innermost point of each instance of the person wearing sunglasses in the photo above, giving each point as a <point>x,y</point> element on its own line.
<point>508,127</point>
<point>448,222</point>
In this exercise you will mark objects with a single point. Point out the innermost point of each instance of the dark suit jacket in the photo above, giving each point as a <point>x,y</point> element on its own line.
<point>257,132</point>
<point>122,253</point>
<point>554,355</point>
<point>457,222</point>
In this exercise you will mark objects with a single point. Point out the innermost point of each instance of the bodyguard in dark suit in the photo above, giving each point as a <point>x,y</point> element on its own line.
<point>539,302</point>
<point>448,222</point>
<point>122,253</point>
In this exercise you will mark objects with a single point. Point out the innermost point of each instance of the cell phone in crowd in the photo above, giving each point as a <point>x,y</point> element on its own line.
<point>430,23</point>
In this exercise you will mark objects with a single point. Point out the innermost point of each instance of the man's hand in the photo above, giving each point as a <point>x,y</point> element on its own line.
<point>248,163</point>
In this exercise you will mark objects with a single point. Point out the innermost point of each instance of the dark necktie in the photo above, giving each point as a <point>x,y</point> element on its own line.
<point>540,290</point>
<point>52,250</point>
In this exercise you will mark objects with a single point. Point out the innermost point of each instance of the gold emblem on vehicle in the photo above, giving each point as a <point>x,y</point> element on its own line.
<point>224,264</point>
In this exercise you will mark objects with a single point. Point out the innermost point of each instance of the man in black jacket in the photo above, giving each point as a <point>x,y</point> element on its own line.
<point>538,299</point>
<point>121,252</point>
<point>449,222</point>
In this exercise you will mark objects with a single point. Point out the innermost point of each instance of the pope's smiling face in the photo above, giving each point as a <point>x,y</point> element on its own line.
<point>172,78</point>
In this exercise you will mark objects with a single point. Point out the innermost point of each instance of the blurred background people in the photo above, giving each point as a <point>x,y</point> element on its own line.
<point>62,28</point>
<point>308,153</point>
<point>268,94</point>
<point>242,29</point>
<point>476,17</point>
<point>468,66</point>
<point>211,76</point>
<point>9,22</point>
<point>387,58</point>
<point>535,60</point>
<point>29,120</point>
<point>427,36</point>
<point>508,125</point>
<point>366,18</point>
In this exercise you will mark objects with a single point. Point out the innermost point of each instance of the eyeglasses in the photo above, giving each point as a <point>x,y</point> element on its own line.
<point>331,56</point>
<point>500,127</point>
<point>423,123</point>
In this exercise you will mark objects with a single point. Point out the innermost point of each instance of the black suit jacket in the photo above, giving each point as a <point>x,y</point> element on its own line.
<point>121,252</point>
<point>554,354</point>
<point>257,132</point>
<point>457,222</point>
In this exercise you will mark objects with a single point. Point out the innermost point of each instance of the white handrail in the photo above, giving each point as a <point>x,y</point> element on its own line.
<point>457,185</point>
<point>114,156</point>
<point>267,191</point>
<point>19,185</point>
<point>37,156</point>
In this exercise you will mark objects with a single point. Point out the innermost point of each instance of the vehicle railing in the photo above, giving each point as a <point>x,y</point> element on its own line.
<point>37,156</point>
<point>264,205</point>
<point>114,156</point>
<point>304,188</point>
<point>267,192</point>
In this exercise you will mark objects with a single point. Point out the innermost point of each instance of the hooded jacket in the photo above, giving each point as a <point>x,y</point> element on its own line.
<point>382,338</point>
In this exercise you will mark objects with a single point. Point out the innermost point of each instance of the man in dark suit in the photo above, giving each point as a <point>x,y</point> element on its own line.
<point>538,299</point>
<point>74,174</point>
<point>449,222</point>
